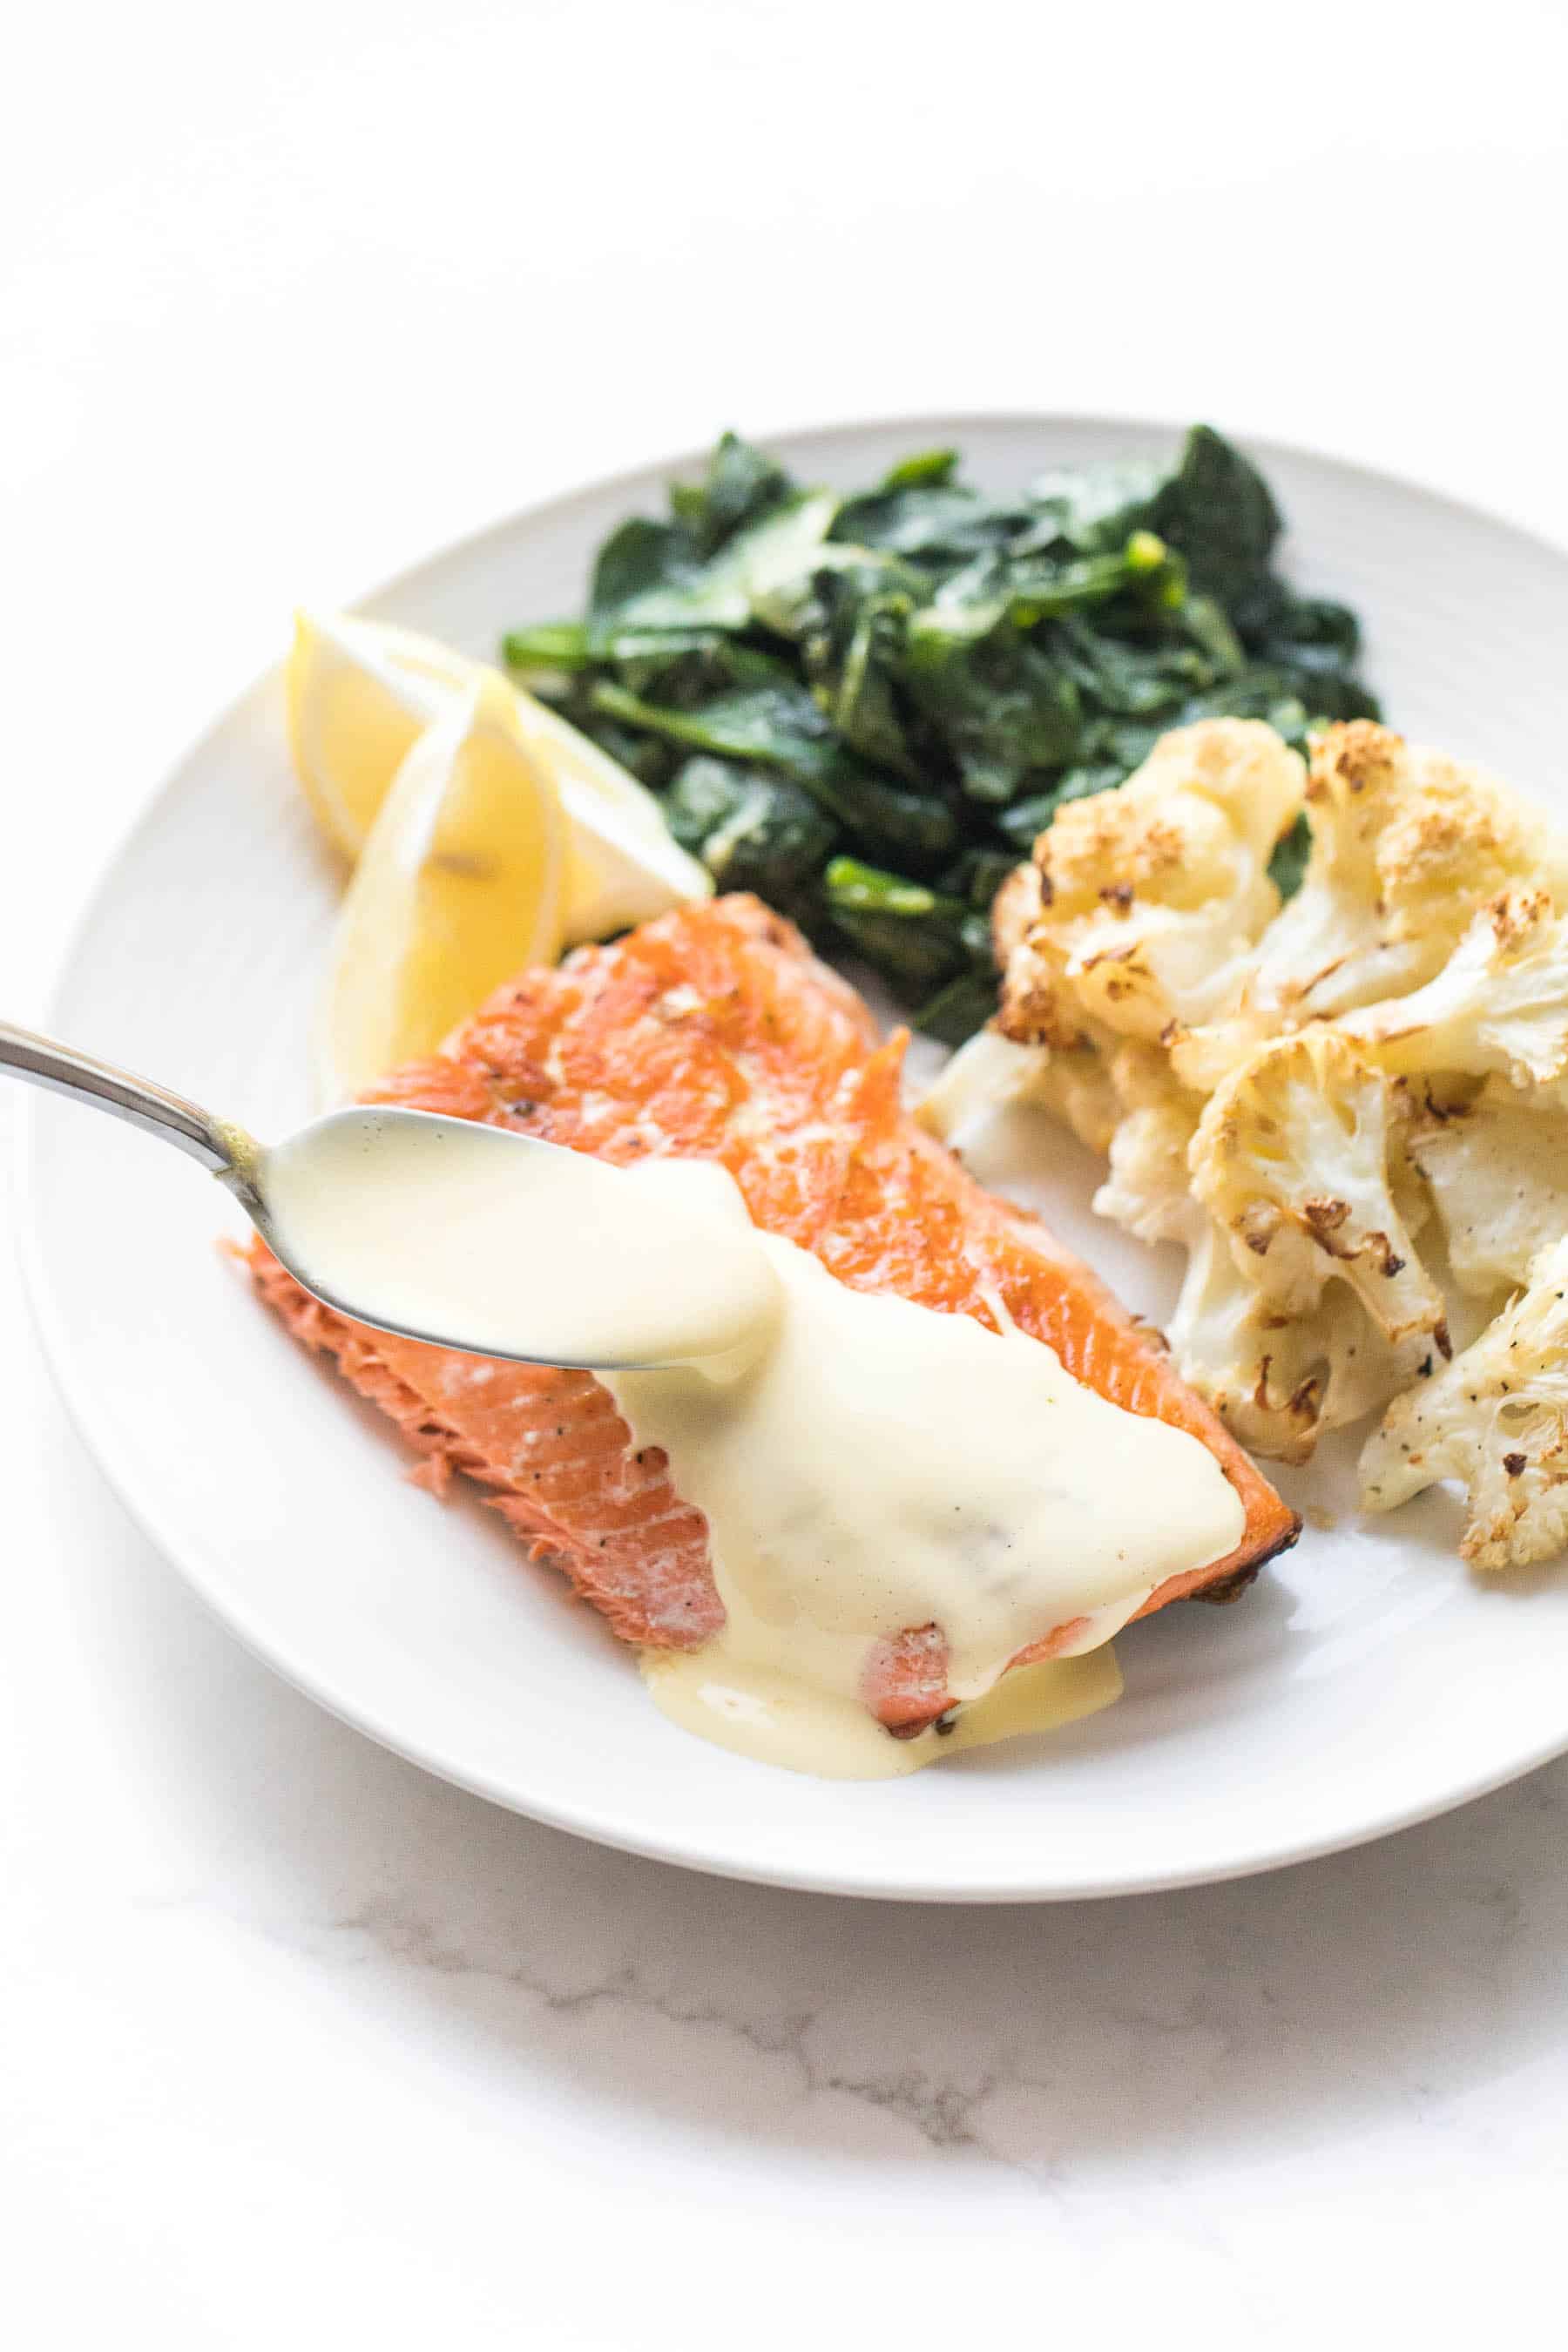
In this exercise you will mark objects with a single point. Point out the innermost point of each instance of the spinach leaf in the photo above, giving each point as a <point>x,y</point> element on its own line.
<point>1218,511</point>
<point>1026,819</point>
<point>1213,642</point>
<point>1125,680</point>
<point>937,524</point>
<point>977,876</point>
<point>781,728</point>
<point>965,1004</point>
<point>852,629</point>
<point>1091,510</point>
<point>652,763</point>
<point>638,564</point>
<point>918,937</point>
<point>651,575</point>
<point>1318,628</point>
<point>840,574</point>
<point>1001,704</point>
<point>688,667</point>
<point>740,485</point>
<point>926,468</point>
<point>753,830</point>
<point>550,646</point>
<point>858,685</point>
<point>1041,589</point>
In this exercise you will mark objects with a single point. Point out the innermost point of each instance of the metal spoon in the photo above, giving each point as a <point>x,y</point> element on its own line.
<point>722,1278</point>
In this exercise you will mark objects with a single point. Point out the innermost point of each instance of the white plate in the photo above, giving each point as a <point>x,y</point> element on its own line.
<point>1366,1682</point>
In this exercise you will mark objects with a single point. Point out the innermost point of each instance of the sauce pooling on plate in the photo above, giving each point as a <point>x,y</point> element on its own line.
<point>866,1466</point>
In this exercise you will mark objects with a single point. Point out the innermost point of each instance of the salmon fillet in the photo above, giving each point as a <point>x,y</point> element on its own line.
<point>714,1033</point>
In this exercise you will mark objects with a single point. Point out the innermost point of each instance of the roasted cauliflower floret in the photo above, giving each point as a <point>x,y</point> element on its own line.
<point>1294,1157</point>
<point>1499,1005</point>
<point>1407,846</point>
<point>1305,1303</point>
<point>990,1071</point>
<point>1498,1173</point>
<point>1147,1189</point>
<point>1143,898</point>
<point>1277,1381</point>
<point>1497,1420</point>
<point>1116,1095</point>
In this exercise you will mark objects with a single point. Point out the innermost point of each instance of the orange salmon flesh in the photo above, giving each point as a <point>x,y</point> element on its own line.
<point>714,1033</point>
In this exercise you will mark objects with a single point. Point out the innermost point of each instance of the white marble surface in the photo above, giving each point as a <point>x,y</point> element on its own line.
<point>297,2045</point>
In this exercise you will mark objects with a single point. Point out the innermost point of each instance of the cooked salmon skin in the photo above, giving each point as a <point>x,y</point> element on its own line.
<point>715,1034</point>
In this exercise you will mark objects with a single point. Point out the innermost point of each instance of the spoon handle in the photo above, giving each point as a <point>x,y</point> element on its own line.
<point>221,1149</point>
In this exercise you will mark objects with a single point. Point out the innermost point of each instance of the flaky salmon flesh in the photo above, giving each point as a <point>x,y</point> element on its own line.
<point>714,1033</point>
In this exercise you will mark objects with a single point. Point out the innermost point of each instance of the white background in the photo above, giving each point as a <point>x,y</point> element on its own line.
<point>296,2045</point>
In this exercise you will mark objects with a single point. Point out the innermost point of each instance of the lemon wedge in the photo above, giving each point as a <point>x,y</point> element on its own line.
<point>357,704</point>
<point>459,884</point>
<point>361,692</point>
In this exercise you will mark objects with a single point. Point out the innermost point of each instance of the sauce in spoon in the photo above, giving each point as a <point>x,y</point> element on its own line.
<point>504,1245</point>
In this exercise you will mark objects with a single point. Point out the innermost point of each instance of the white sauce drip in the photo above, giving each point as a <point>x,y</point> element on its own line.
<point>866,1465</point>
<point>879,1466</point>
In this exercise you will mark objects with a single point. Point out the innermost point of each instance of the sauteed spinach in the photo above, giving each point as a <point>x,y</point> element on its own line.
<point>865,708</point>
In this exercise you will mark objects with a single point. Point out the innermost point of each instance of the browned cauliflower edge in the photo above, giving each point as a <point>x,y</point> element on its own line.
<point>1496,1419</point>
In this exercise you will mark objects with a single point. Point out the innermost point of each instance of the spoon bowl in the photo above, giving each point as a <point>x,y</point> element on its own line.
<point>463,1235</point>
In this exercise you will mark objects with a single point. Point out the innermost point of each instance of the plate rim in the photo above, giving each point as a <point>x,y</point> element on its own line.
<point>938,427</point>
